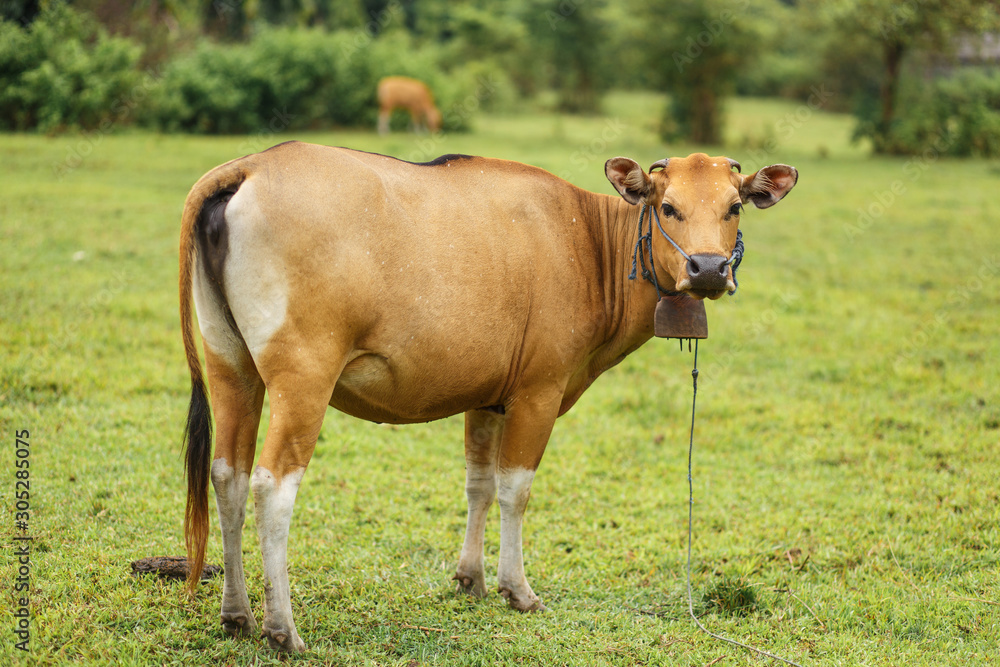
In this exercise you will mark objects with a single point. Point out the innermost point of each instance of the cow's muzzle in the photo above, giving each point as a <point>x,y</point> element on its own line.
<point>708,276</point>
<point>707,273</point>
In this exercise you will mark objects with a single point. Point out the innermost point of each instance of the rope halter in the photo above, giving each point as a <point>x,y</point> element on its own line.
<point>646,240</point>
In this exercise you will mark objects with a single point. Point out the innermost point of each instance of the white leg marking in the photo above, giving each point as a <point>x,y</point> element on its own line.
<point>231,489</point>
<point>273,503</point>
<point>480,490</point>
<point>515,488</point>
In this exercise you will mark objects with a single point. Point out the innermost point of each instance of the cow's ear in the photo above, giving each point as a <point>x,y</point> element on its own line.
<point>766,187</point>
<point>628,178</point>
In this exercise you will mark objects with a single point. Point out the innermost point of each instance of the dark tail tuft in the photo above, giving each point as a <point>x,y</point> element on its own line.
<point>197,459</point>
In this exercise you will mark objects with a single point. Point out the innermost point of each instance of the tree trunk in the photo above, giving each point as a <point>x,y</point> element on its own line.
<point>705,122</point>
<point>893,52</point>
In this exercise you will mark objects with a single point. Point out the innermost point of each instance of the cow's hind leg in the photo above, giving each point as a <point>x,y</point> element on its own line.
<point>483,429</point>
<point>298,405</point>
<point>237,396</point>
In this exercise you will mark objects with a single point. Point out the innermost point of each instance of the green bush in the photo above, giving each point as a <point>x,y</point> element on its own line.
<point>284,79</point>
<point>296,78</point>
<point>958,115</point>
<point>65,71</point>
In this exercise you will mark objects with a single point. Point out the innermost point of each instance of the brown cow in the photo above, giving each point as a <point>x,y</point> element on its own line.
<point>400,292</point>
<point>401,92</point>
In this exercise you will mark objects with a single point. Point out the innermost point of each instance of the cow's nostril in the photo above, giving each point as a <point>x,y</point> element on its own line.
<point>693,268</point>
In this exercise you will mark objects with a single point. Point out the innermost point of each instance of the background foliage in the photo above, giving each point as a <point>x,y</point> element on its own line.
<point>224,66</point>
<point>63,69</point>
<point>304,78</point>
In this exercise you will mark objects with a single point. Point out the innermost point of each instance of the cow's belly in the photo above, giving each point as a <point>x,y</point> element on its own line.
<point>378,389</point>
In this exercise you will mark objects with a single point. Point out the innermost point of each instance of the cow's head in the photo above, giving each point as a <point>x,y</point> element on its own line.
<point>699,200</point>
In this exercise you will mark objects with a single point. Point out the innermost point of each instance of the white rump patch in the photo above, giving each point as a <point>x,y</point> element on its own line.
<point>255,277</point>
<point>216,331</point>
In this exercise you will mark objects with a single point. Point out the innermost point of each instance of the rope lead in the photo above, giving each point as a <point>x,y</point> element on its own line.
<point>694,398</point>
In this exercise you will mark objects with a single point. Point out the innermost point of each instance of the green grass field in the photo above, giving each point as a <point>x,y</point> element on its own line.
<point>846,454</point>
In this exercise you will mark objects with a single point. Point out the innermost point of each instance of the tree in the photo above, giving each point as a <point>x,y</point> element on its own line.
<point>226,19</point>
<point>570,37</point>
<point>576,40</point>
<point>695,53</point>
<point>896,29</point>
<point>20,11</point>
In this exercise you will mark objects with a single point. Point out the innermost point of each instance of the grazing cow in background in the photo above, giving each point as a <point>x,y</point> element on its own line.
<point>400,92</point>
<point>400,292</point>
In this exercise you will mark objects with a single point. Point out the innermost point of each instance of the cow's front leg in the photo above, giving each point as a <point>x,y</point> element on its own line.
<point>515,488</point>
<point>527,428</point>
<point>483,429</point>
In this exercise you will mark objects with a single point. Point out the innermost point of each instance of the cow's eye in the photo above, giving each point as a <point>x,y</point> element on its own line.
<point>735,209</point>
<point>670,211</point>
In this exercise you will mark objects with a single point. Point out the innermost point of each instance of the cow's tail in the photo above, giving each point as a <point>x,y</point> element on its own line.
<point>198,430</point>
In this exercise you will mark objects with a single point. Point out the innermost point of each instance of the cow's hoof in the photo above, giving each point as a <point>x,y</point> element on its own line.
<point>471,585</point>
<point>526,603</point>
<point>283,640</point>
<point>238,624</point>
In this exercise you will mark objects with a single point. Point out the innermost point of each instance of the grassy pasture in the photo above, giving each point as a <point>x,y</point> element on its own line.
<point>846,455</point>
